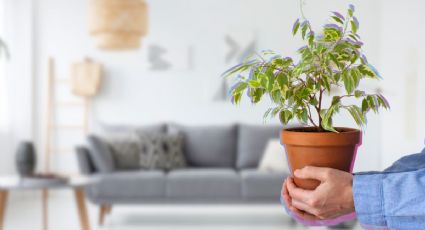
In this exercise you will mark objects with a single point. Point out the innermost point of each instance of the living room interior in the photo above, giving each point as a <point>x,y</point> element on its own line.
<point>87,99</point>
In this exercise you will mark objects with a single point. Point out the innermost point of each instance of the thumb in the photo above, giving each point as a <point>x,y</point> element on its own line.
<point>312,172</point>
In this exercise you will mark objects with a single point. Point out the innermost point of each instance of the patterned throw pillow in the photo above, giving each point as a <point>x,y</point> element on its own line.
<point>162,151</point>
<point>126,149</point>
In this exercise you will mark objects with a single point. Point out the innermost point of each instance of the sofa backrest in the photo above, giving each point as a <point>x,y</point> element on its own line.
<point>208,146</point>
<point>155,128</point>
<point>252,139</point>
<point>224,146</point>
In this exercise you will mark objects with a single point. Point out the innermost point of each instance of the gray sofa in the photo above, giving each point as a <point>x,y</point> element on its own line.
<point>222,168</point>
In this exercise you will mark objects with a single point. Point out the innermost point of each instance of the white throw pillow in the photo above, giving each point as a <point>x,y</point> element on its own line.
<point>274,158</point>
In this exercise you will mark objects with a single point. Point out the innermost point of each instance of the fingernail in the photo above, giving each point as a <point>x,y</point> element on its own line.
<point>297,172</point>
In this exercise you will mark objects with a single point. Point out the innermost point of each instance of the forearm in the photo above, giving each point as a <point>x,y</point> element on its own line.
<point>394,200</point>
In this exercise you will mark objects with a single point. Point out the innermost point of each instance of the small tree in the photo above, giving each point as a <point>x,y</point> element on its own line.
<point>332,59</point>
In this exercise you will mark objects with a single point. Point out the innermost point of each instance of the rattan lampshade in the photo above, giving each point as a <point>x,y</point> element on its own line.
<point>118,24</point>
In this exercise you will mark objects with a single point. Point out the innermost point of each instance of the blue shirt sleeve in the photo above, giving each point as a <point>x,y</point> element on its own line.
<point>394,198</point>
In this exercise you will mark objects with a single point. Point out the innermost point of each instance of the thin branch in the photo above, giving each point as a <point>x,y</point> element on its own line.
<point>310,117</point>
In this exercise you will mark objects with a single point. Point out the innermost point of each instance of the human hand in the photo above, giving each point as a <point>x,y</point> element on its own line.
<point>331,199</point>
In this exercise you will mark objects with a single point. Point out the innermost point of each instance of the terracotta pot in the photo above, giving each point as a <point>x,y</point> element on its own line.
<point>306,147</point>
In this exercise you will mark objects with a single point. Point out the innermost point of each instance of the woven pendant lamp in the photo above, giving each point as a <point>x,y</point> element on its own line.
<point>118,24</point>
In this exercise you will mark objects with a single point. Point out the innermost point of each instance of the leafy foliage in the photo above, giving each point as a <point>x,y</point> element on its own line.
<point>332,59</point>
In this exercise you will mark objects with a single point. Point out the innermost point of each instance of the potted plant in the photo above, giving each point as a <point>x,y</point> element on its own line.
<point>330,60</point>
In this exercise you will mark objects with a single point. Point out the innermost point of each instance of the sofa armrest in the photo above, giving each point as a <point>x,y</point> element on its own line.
<point>85,163</point>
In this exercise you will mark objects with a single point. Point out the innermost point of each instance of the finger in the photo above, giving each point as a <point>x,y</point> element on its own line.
<point>297,193</point>
<point>303,215</point>
<point>312,172</point>
<point>287,200</point>
<point>301,206</point>
<point>285,194</point>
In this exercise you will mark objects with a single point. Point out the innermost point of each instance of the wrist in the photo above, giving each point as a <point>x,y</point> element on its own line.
<point>349,196</point>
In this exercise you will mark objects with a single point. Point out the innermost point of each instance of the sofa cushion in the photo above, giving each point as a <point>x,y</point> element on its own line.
<point>125,148</point>
<point>130,184</point>
<point>259,184</point>
<point>203,184</point>
<point>101,154</point>
<point>208,146</point>
<point>162,151</point>
<point>252,140</point>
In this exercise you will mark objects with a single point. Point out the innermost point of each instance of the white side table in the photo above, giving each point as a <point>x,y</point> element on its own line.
<point>77,184</point>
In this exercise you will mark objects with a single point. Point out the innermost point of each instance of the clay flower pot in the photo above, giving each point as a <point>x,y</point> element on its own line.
<point>306,147</point>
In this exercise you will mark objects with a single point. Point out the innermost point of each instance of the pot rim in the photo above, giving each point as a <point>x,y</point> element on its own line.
<point>351,136</point>
<point>295,130</point>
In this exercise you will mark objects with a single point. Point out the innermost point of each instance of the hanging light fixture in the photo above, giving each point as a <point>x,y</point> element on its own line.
<point>118,24</point>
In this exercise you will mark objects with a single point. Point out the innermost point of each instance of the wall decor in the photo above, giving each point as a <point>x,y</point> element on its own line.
<point>118,24</point>
<point>170,56</point>
<point>156,58</point>
<point>86,78</point>
<point>236,52</point>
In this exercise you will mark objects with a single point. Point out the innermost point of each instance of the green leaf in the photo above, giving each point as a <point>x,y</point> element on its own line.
<point>383,102</point>
<point>327,117</point>
<point>264,81</point>
<point>337,20</point>
<point>353,26</point>
<point>304,115</point>
<point>335,60</point>
<point>295,27</point>
<point>311,39</point>
<point>348,83</point>
<point>276,96</point>
<point>267,113</point>
<point>356,77</point>
<point>285,116</point>
<point>239,68</point>
<point>365,106</point>
<point>359,93</point>
<point>241,86</point>
<point>275,111</point>
<point>373,103</point>
<point>254,84</point>
<point>350,12</point>
<point>256,94</point>
<point>326,83</point>
<point>237,98</point>
<point>367,71</point>
<point>335,100</point>
<point>304,29</point>
<point>356,116</point>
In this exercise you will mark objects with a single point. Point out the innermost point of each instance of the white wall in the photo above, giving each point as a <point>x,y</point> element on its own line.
<point>131,93</point>
<point>401,63</point>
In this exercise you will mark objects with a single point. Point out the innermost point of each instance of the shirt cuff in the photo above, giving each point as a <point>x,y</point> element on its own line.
<point>368,199</point>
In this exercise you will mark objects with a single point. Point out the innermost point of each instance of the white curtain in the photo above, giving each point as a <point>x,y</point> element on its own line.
<point>5,129</point>
<point>16,104</point>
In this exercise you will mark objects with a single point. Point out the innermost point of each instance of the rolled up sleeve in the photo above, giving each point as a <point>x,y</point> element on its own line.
<point>369,199</point>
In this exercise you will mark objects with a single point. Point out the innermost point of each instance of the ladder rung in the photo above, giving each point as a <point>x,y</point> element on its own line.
<point>60,151</point>
<point>67,127</point>
<point>69,103</point>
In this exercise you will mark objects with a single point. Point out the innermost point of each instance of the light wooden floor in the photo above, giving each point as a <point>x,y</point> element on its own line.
<point>24,212</point>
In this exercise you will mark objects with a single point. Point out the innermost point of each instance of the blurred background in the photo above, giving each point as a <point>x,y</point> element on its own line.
<point>175,77</point>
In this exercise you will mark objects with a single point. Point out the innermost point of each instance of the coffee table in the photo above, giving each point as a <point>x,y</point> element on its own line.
<point>77,184</point>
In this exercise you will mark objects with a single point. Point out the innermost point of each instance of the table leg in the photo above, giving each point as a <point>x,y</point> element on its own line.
<point>82,210</point>
<point>45,201</point>
<point>3,201</point>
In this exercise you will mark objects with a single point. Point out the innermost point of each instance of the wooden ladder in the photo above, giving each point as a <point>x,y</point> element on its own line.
<point>52,128</point>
